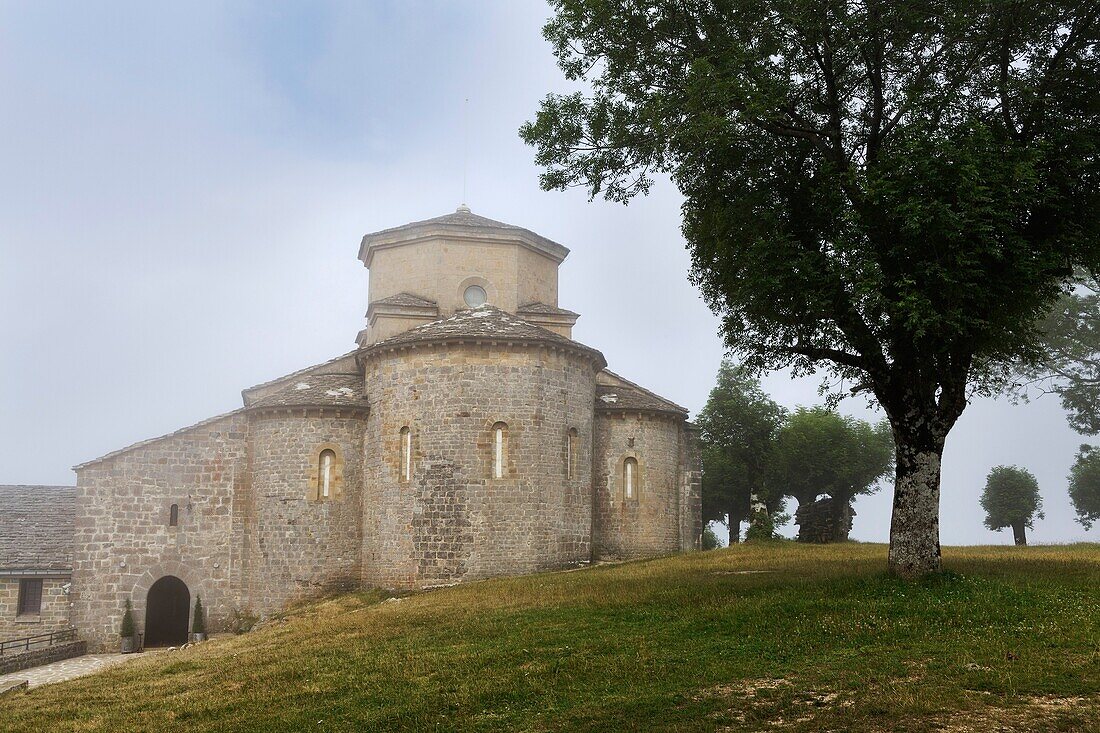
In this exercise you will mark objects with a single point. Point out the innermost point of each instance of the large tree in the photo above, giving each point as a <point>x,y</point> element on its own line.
<point>1084,485</point>
<point>737,428</point>
<point>1011,499</point>
<point>819,451</point>
<point>892,192</point>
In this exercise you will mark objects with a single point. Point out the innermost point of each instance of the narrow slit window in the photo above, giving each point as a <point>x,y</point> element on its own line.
<point>571,453</point>
<point>406,453</point>
<point>328,463</point>
<point>499,432</point>
<point>30,596</point>
<point>630,478</point>
<point>174,515</point>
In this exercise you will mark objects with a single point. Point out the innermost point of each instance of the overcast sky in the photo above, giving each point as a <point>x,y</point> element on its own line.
<point>184,188</point>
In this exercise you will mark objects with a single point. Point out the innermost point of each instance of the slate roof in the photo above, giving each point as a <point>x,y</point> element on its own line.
<point>407,300</point>
<point>276,380</point>
<point>462,222</point>
<point>485,322</point>
<point>318,390</point>
<point>544,308</point>
<point>632,397</point>
<point>36,527</point>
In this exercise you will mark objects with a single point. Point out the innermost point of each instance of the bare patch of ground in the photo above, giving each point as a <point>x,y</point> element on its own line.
<point>769,704</point>
<point>1034,714</point>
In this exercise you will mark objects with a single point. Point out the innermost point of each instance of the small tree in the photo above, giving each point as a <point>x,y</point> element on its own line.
<point>1084,485</point>
<point>737,428</point>
<point>1011,499</point>
<point>710,539</point>
<point>127,629</point>
<point>819,451</point>
<point>198,626</point>
<point>1070,365</point>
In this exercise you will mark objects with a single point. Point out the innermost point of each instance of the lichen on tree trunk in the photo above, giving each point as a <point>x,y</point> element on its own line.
<point>915,523</point>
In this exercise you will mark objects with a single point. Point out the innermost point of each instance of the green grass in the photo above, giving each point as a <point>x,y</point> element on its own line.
<point>814,639</point>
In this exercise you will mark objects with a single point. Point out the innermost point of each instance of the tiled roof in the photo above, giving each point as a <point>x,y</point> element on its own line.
<point>627,397</point>
<point>464,223</point>
<point>461,217</point>
<point>318,390</point>
<point>483,323</point>
<point>36,527</point>
<point>544,308</point>
<point>407,300</point>
<point>270,382</point>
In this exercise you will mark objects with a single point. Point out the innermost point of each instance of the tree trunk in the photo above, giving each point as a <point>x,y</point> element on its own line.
<point>842,506</point>
<point>915,524</point>
<point>1018,534</point>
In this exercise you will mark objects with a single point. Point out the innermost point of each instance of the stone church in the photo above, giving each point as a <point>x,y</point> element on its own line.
<point>466,436</point>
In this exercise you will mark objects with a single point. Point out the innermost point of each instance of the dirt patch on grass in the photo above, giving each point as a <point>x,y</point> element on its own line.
<point>1033,714</point>
<point>767,704</point>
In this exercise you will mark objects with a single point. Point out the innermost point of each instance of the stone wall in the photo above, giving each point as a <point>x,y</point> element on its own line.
<point>691,489</point>
<point>123,541</point>
<point>440,269</point>
<point>452,520</point>
<point>45,655</point>
<point>303,545</point>
<point>54,614</point>
<point>649,524</point>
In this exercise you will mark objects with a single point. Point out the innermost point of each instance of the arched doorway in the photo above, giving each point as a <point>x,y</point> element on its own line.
<point>167,608</point>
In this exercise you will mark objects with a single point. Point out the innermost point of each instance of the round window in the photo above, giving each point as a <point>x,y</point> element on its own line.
<point>475,296</point>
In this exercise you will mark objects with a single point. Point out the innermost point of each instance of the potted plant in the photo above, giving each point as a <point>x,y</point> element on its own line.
<point>198,625</point>
<point>127,630</point>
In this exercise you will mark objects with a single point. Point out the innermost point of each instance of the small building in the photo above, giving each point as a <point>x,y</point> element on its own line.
<point>36,558</point>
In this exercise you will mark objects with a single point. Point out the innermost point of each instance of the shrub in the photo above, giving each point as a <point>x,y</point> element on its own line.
<point>127,629</point>
<point>198,626</point>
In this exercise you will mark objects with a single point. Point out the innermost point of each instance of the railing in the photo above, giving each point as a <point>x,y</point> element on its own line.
<point>38,641</point>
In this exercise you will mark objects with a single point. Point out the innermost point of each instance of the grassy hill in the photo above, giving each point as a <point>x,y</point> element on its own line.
<point>774,637</point>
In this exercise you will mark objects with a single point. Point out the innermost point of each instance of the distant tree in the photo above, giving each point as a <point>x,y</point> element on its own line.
<point>1084,485</point>
<point>737,428</point>
<point>1011,499</point>
<point>892,192</point>
<point>819,451</point>
<point>710,539</point>
<point>1071,359</point>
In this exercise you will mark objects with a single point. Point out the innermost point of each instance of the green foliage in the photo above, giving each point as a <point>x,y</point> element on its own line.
<point>710,539</point>
<point>1071,362</point>
<point>1011,498</point>
<point>127,628</point>
<point>819,451</point>
<point>894,192</point>
<point>198,623</point>
<point>1084,485</point>
<point>737,428</point>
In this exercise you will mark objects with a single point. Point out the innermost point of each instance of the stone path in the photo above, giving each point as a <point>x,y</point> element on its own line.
<point>67,669</point>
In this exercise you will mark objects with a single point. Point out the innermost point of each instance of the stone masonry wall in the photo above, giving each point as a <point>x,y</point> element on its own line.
<point>649,524</point>
<point>54,615</point>
<point>301,546</point>
<point>123,541</point>
<point>44,655</point>
<point>691,489</point>
<point>452,520</point>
